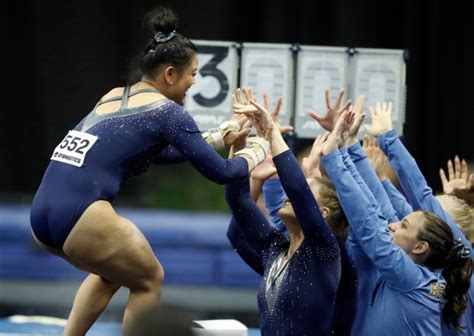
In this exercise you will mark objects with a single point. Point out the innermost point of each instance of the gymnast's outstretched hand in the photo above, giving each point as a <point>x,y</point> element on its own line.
<point>328,122</point>
<point>339,135</point>
<point>381,119</point>
<point>310,163</point>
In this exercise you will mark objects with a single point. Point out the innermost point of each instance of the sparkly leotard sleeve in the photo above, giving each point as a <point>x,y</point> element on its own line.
<point>127,141</point>
<point>304,294</point>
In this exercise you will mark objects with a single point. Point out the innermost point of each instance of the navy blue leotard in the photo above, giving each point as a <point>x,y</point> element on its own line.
<point>305,298</point>
<point>346,298</point>
<point>128,142</point>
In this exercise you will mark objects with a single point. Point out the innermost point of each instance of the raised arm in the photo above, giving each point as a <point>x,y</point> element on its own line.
<point>183,134</point>
<point>414,185</point>
<point>363,165</point>
<point>294,182</point>
<point>251,221</point>
<point>360,160</point>
<point>368,227</point>
<point>243,248</point>
<point>399,202</point>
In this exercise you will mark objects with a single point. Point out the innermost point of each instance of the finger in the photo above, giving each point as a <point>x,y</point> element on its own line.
<point>265,101</point>
<point>450,170</point>
<point>325,136</point>
<point>339,100</point>
<point>286,129</point>
<point>243,133</point>
<point>259,106</point>
<point>464,171</point>
<point>444,180</point>
<point>359,119</point>
<point>470,184</point>
<point>248,94</point>
<point>389,111</point>
<point>348,105</point>
<point>359,104</point>
<point>315,116</point>
<point>238,95</point>
<point>317,142</point>
<point>378,108</point>
<point>276,111</point>
<point>457,167</point>
<point>328,100</point>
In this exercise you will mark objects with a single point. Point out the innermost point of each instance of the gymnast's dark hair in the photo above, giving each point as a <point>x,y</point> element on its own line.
<point>455,260</point>
<point>164,46</point>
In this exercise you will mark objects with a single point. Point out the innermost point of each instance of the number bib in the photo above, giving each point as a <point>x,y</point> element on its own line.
<point>74,147</point>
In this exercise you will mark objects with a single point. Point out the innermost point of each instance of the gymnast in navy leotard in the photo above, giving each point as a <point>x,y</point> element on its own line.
<point>129,129</point>
<point>300,274</point>
<point>127,143</point>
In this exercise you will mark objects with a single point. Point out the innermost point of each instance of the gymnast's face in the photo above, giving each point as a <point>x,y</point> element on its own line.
<point>184,80</point>
<point>405,232</point>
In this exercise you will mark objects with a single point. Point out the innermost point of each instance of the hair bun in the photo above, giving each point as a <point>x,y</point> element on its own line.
<point>161,19</point>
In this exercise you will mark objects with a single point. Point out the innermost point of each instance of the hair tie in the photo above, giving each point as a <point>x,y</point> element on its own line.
<point>161,37</point>
<point>459,251</point>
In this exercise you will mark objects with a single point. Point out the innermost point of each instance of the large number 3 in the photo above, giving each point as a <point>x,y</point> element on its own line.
<point>210,69</point>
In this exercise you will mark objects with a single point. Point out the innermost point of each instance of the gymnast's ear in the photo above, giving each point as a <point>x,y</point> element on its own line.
<point>170,74</point>
<point>325,211</point>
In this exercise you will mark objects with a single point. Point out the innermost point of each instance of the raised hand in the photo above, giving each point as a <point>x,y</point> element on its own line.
<point>339,135</point>
<point>377,158</point>
<point>381,119</point>
<point>275,114</point>
<point>310,163</point>
<point>333,113</point>
<point>241,102</point>
<point>359,117</point>
<point>458,176</point>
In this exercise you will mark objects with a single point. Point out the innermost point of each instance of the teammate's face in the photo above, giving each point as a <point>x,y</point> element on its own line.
<point>185,80</point>
<point>405,232</point>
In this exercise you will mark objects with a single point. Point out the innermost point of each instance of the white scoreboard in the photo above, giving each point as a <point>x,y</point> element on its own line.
<point>298,74</point>
<point>268,68</point>
<point>209,101</point>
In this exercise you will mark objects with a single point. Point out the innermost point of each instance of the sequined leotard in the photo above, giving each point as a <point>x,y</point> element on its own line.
<point>303,297</point>
<point>127,142</point>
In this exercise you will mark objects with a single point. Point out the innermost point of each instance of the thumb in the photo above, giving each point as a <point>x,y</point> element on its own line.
<point>286,129</point>
<point>243,133</point>
<point>314,115</point>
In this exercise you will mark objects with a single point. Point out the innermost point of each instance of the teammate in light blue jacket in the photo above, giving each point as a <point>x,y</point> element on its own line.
<point>421,273</point>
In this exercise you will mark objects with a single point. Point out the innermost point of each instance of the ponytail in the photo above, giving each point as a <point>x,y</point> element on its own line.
<point>455,260</point>
<point>458,277</point>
